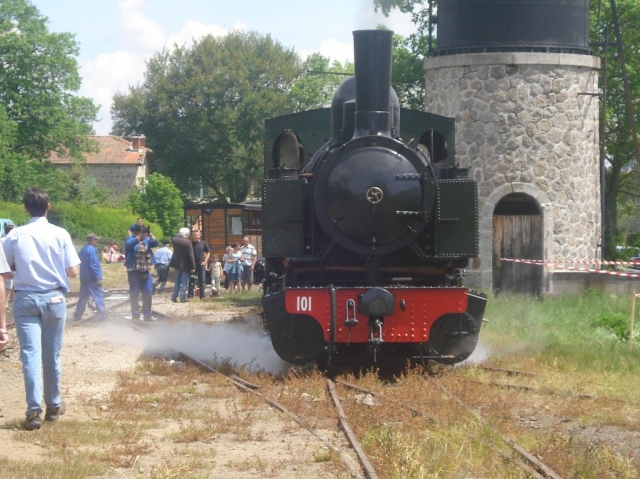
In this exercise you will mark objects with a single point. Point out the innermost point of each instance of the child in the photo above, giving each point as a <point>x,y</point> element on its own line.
<point>216,275</point>
<point>235,268</point>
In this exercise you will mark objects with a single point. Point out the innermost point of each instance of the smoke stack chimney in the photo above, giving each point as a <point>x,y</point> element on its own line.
<point>138,142</point>
<point>372,59</point>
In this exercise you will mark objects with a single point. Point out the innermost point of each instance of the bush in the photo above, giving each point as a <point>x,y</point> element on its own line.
<point>14,212</point>
<point>614,322</point>
<point>111,224</point>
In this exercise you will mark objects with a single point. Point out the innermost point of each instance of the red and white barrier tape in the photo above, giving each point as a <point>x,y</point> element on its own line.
<point>565,265</point>
<point>546,262</point>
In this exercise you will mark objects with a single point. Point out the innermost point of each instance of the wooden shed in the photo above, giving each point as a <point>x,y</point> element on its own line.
<point>223,224</point>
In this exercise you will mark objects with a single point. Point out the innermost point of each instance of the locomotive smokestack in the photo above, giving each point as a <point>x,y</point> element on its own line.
<point>372,58</point>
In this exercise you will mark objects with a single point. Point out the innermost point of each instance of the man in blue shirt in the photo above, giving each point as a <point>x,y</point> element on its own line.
<point>90,278</point>
<point>161,259</point>
<point>136,248</point>
<point>45,258</point>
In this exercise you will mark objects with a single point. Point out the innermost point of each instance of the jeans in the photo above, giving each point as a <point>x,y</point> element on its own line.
<point>87,289</point>
<point>181,285</point>
<point>163,274</point>
<point>40,317</point>
<point>140,283</point>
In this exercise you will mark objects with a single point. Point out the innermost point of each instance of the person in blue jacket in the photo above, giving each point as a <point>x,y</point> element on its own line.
<point>138,258</point>
<point>90,278</point>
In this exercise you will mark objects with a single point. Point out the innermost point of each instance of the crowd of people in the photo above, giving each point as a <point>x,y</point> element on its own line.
<point>38,259</point>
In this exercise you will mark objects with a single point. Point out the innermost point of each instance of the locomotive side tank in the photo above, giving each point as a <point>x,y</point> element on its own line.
<point>365,235</point>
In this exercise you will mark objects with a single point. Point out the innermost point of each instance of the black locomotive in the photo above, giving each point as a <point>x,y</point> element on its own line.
<point>364,234</point>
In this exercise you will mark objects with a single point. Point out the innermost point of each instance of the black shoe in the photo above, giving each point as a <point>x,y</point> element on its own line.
<point>53,413</point>
<point>33,421</point>
<point>184,300</point>
<point>174,300</point>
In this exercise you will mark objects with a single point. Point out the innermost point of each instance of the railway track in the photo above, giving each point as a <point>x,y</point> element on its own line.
<point>524,460</point>
<point>250,388</point>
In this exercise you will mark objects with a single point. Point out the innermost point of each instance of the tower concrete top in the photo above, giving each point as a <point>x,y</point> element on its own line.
<point>512,58</point>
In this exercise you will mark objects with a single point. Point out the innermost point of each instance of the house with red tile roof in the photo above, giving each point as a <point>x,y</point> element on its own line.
<point>118,164</point>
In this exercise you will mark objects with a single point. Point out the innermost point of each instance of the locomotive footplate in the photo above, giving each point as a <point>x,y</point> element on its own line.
<point>308,324</point>
<point>408,319</point>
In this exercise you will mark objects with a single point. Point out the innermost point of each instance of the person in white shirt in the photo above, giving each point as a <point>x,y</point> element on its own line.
<point>249,259</point>
<point>45,259</point>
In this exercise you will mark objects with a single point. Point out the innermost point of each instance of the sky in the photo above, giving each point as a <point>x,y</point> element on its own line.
<point>116,37</point>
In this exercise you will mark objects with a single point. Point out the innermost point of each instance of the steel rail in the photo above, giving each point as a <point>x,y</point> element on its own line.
<point>540,467</point>
<point>417,411</point>
<point>411,408</point>
<point>362,457</point>
<point>240,385</point>
<point>510,372</point>
<point>537,390</point>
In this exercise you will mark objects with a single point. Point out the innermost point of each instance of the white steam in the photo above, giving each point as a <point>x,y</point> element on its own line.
<point>239,343</point>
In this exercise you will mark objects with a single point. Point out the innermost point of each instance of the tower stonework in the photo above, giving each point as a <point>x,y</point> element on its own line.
<point>526,123</point>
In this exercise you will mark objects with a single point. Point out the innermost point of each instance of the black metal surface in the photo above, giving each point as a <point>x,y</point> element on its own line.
<point>350,217</point>
<point>372,60</point>
<point>457,218</point>
<point>472,26</point>
<point>282,225</point>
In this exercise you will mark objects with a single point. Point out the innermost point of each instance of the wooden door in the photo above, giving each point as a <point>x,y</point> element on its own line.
<point>517,237</point>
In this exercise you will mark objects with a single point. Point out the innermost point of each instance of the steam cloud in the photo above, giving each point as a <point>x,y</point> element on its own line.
<point>240,343</point>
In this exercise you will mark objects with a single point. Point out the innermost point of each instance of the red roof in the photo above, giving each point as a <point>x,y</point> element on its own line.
<point>111,150</point>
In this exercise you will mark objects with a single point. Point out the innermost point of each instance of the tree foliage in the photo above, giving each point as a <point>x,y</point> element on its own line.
<point>202,109</point>
<point>159,200</point>
<point>39,110</point>
<point>407,77</point>
<point>621,186</point>
<point>321,78</point>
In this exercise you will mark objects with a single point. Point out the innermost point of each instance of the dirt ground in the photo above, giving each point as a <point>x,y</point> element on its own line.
<point>94,354</point>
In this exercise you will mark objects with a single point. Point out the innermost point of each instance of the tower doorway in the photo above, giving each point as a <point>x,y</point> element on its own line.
<point>517,234</point>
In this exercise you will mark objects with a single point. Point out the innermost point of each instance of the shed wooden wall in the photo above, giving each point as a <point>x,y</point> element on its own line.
<point>216,231</point>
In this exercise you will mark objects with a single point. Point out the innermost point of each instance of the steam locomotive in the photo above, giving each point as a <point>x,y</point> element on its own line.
<point>365,235</point>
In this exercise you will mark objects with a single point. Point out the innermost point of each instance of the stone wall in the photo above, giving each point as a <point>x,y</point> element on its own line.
<point>119,178</point>
<point>526,122</point>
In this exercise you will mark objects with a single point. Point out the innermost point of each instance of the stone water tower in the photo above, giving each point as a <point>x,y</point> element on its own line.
<point>519,78</point>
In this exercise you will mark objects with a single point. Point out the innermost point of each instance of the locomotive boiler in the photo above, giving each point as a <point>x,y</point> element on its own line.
<point>367,225</point>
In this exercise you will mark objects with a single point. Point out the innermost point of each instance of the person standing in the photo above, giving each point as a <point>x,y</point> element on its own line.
<point>183,262</point>
<point>8,278</point>
<point>90,279</point>
<point>216,275</point>
<point>234,259</point>
<point>4,271</point>
<point>45,258</point>
<point>249,258</point>
<point>137,259</point>
<point>161,259</point>
<point>201,253</point>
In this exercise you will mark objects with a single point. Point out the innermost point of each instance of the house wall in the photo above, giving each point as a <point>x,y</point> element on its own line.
<point>119,178</point>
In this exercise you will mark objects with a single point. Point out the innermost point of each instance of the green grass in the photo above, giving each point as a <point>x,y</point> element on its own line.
<point>560,327</point>
<point>575,336</point>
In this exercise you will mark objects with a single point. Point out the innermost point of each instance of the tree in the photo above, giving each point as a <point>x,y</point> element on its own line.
<point>202,109</point>
<point>38,78</point>
<point>407,77</point>
<point>621,185</point>
<point>39,111</point>
<point>159,200</point>
<point>321,78</point>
